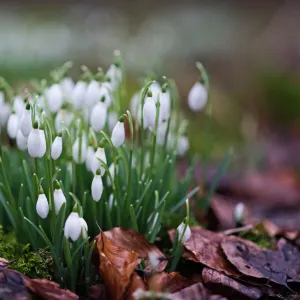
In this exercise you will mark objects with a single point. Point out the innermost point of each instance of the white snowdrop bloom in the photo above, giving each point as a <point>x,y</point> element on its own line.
<point>106,93</point>
<point>149,113</point>
<point>161,133</point>
<point>42,206</point>
<point>92,94</point>
<point>153,260</point>
<point>155,90</point>
<point>184,232</point>
<point>4,112</point>
<point>135,105</point>
<point>73,227</point>
<point>25,122</point>
<point>112,119</point>
<point>165,106</point>
<point>97,186</point>
<point>59,199</point>
<point>84,228</point>
<point>89,157</point>
<point>183,145</point>
<point>112,173</point>
<point>114,73</point>
<point>56,148</point>
<point>67,85</point>
<point>55,97</point>
<point>21,140</point>
<point>63,117</point>
<point>239,213</point>
<point>96,163</point>
<point>98,116</point>
<point>78,94</point>
<point>12,126</point>
<point>75,150</point>
<point>36,142</point>
<point>19,106</point>
<point>197,97</point>
<point>118,134</point>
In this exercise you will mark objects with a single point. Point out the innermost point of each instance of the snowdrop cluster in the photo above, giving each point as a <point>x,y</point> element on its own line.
<point>88,161</point>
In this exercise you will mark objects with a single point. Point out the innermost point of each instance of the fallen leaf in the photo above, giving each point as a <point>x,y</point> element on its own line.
<point>254,261</point>
<point>131,240</point>
<point>226,286</point>
<point>116,266</point>
<point>136,284</point>
<point>204,247</point>
<point>196,292</point>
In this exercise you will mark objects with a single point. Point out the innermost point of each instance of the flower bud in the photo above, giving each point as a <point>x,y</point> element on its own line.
<point>92,94</point>
<point>239,213</point>
<point>197,97</point>
<point>75,150</point>
<point>78,94</point>
<point>149,113</point>
<point>25,122</point>
<point>4,110</point>
<point>73,227</point>
<point>98,116</point>
<point>153,260</point>
<point>59,199</point>
<point>54,95</point>
<point>183,145</point>
<point>63,117</point>
<point>114,73</point>
<point>19,106</point>
<point>84,228</point>
<point>165,106</point>
<point>96,163</point>
<point>118,134</point>
<point>56,148</point>
<point>89,157</point>
<point>36,143</point>
<point>112,119</point>
<point>42,206</point>
<point>184,232</point>
<point>12,126</point>
<point>67,85</point>
<point>21,140</point>
<point>155,90</point>
<point>97,186</point>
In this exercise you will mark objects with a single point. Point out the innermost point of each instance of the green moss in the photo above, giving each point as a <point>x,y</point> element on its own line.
<point>259,236</point>
<point>24,260</point>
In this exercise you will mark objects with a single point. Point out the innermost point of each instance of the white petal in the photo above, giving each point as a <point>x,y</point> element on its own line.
<point>26,123</point>
<point>197,98</point>
<point>93,93</point>
<point>62,117</point>
<point>78,94</point>
<point>21,140</point>
<point>75,150</point>
<point>56,148</point>
<point>89,157</point>
<point>118,134</point>
<point>238,213</point>
<point>55,97</point>
<point>59,200</point>
<point>96,163</point>
<point>73,227</point>
<point>42,206</point>
<point>97,187</point>
<point>98,117</point>
<point>84,228</point>
<point>4,113</point>
<point>153,260</point>
<point>67,85</point>
<point>36,143</point>
<point>149,113</point>
<point>184,232</point>
<point>112,119</point>
<point>165,106</point>
<point>155,89</point>
<point>12,126</point>
<point>19,106</point>
<point>183,145</point>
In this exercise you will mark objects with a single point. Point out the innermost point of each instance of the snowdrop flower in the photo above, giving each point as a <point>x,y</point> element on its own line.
<point>197,97</point>
<point>112,119</point>
<point>12,126</point>
<point>89,157</point>
<point>19,106</point>
<point>114,73</point>
<point>73,227</point>
<point>4,110</point>
<point>98,157</point>
<point>92,94</point>
<point>42,206</point>
<point>118,133</point>
<point>183,145</point>
<point>153,260</point>
<point>165,105</point>
<point>63,117</point>
<point>75,150</point>
<point>25,122</point>
<point>135,105</point>
<point>59,198</point>
<point>106,93</point>
<point>161,133</point>
<point>155,90</point>
<point>56,148</point>
<point>54,95</point>
<point>78,94</point>
<point>67,85</point>
<point>184,232</point>
<point>97,186</point>
<point>21,140</point>
<point>36,142</point>
<point>149,112</point>
<point>84,228</point>
<point>239,213</point>
<point>98,116</point>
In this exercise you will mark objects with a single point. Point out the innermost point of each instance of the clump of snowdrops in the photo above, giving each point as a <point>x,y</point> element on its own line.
<point>73,161</point>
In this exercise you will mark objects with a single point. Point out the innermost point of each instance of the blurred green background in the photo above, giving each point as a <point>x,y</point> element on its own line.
<point>250,48</point>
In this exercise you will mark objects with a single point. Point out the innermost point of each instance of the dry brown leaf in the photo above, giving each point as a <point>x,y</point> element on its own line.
<point>254,261</point>
<point>204,246</point>
<point>136,284</point>
<point>226,286</point>
<point>196,292</point>
<point>48,290</point>
<point>116,266</point>
<point>131,240</point>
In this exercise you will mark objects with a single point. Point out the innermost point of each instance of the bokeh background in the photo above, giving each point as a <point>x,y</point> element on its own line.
<point>250,48</point>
